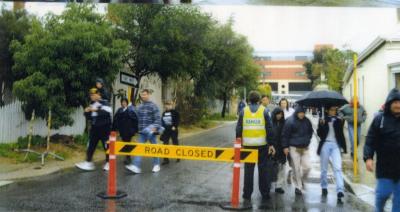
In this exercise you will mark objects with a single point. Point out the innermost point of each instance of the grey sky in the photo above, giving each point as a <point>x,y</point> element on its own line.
<point>283,28</point>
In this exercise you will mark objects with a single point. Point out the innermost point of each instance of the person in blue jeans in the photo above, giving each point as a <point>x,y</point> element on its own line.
<point>149,121</point>
<point>330,131</point>
<point>383,138</point>
<point>347,114</point>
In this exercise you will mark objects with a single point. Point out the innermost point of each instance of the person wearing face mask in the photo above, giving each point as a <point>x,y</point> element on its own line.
<point>383,138</point>
<point>330,131</point>
<point>170,122</point>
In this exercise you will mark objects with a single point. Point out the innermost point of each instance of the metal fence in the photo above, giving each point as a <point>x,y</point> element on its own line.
<point>13,124</point>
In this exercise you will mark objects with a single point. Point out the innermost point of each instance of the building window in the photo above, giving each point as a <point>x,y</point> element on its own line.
<point>265,74</point>
<point>300,86</point>
<point>300,74</point>
<point>397,80</point>
<point>274,86</point>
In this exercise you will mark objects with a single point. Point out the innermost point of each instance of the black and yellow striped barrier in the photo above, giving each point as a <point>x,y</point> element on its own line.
<point>185,152</point>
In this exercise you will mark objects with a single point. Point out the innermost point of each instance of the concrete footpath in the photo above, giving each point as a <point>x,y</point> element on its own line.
<point>17,172</point>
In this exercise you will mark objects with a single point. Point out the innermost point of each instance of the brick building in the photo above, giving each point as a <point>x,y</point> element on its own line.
<point>284,71</point>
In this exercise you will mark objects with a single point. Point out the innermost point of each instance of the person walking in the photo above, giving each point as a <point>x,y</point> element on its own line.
<point>284,105</point>
<point>278,122</point>
<point>149,127</point>
<point>330,131</point>
<point>126,123</point>
<point>241,105</point>
<point>265,101</point>
<point>170,122</point>
<point>296,137</point>
<point>99,113</point>
<point>383,138</point>
<point>255,130</point>
<point>347,113</point>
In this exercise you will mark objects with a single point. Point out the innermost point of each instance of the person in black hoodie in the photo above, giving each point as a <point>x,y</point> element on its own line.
<point>99,114</point>
<point>296,136</point>
<point>126,123</point>
<point>170,122</point>
<point>383,138</point>
<point>278,121</point>
<point>330,131</point>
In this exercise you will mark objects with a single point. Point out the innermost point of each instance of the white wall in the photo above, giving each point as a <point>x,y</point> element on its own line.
<point>376,80</point>
<point>151,82</point>
<point>13,124</point>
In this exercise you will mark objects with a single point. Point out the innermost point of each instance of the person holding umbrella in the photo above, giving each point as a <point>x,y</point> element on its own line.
<point>330,131</point>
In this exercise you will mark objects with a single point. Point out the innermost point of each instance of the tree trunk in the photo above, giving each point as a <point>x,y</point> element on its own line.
<point>225,99</point>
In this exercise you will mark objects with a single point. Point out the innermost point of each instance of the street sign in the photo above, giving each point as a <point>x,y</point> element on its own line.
<point>128,79</point>
<point>185,152</point>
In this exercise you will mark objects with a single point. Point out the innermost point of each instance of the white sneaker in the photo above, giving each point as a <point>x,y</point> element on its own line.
<point>85,165</point>
<point>106,167</point>
<point>133,169</point>
<point>156,168</point>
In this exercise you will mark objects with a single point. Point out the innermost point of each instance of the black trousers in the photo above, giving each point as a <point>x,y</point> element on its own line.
<point>265,174</point>
<point>170,134</point>
<point>97,133</point>
<point>167,135</point>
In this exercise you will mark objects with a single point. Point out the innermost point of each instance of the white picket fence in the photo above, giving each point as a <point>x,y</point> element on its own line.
<point>13,124</point>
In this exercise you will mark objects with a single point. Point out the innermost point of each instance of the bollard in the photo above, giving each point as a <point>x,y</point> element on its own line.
<point>235,203</point>
<point>236,174</point>
<point>112,192</point>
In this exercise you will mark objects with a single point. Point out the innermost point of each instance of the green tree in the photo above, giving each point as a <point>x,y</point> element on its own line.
<point>333,63</point>
<point>265,90</point>
<point>14,25</point>
<point>165,41</point>
<point>59,61</point>
<point>232,63</point>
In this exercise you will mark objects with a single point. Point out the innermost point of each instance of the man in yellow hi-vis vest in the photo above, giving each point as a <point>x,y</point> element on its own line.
<point>254,127</point>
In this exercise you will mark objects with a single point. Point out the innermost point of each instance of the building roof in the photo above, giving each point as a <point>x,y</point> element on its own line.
<point>371,49</point>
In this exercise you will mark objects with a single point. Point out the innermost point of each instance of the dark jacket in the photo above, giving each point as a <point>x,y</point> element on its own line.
<point>170,119</point>
<point>126,122</point>
<point>296,132</point>
<point>268,126</point>
<point>103,117</point>
<point>277,127</point>
<point>105,95</point>
<point>384,138</point>
<point>323,130</point>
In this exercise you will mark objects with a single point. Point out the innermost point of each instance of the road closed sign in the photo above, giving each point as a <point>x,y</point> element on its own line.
<point>185,152</point>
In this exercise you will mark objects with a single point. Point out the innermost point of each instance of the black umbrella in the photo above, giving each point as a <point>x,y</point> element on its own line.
<point>324,98</point>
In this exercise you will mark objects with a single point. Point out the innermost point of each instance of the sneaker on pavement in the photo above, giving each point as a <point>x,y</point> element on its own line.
<point>340,195</point>
<point>133,169</point>
<point>106,167</point>
<point>85,165</point>
<point>298,192</point>
<point>156,168</point>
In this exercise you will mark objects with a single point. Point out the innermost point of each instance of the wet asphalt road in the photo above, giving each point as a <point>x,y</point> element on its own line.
<point>184,186</point>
